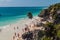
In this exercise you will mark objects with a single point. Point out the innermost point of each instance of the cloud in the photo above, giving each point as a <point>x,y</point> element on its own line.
<point>5,0</point>
<point>8,0</point>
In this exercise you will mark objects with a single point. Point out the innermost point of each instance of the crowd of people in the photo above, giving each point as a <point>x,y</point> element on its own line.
<point>28,27</point>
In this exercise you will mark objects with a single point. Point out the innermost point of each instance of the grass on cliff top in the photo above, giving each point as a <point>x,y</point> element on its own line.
<point>58,33</point>
<point>58,29</point>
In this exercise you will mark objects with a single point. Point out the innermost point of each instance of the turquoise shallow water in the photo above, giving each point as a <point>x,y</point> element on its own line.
<point>10,19</point>
<point>10,15</point>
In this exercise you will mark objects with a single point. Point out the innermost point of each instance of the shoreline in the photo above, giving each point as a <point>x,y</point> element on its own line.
<point>8,31</point>
<point>5,26</point>
<point>16,21</point>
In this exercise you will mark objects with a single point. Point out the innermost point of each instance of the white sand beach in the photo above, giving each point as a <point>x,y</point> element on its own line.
<point>8,31</point>
<point>11,30</point>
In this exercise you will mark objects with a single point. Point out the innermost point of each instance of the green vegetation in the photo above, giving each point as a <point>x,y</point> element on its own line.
<point>30,16</point>
<point>52,30</point>
<point>54,7</point>
<point>58,33</point>
<point>45,38</point>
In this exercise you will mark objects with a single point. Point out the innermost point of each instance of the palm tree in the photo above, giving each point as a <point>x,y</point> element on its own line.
<point>30,16</point>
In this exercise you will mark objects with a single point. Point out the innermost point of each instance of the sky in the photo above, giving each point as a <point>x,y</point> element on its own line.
<point>27,3</point>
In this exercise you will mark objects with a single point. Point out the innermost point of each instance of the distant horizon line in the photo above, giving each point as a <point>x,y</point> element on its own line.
<point>25,6</point>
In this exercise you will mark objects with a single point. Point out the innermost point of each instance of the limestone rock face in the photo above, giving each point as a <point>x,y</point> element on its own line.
<point>44,13</point>
<point>52,14</point>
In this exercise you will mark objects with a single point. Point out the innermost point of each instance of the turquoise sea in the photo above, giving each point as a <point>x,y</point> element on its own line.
<point>10,15</point>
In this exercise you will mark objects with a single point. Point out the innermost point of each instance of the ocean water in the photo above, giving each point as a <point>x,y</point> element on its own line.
<point>10,15</point>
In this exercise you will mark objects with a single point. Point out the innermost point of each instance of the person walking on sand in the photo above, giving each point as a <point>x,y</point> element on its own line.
<point>15,34</point>
<point>13,37</point>
<point>18,35</point>
<point>17,27</point>
<point>0,30</point>
<point>14,28</point>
